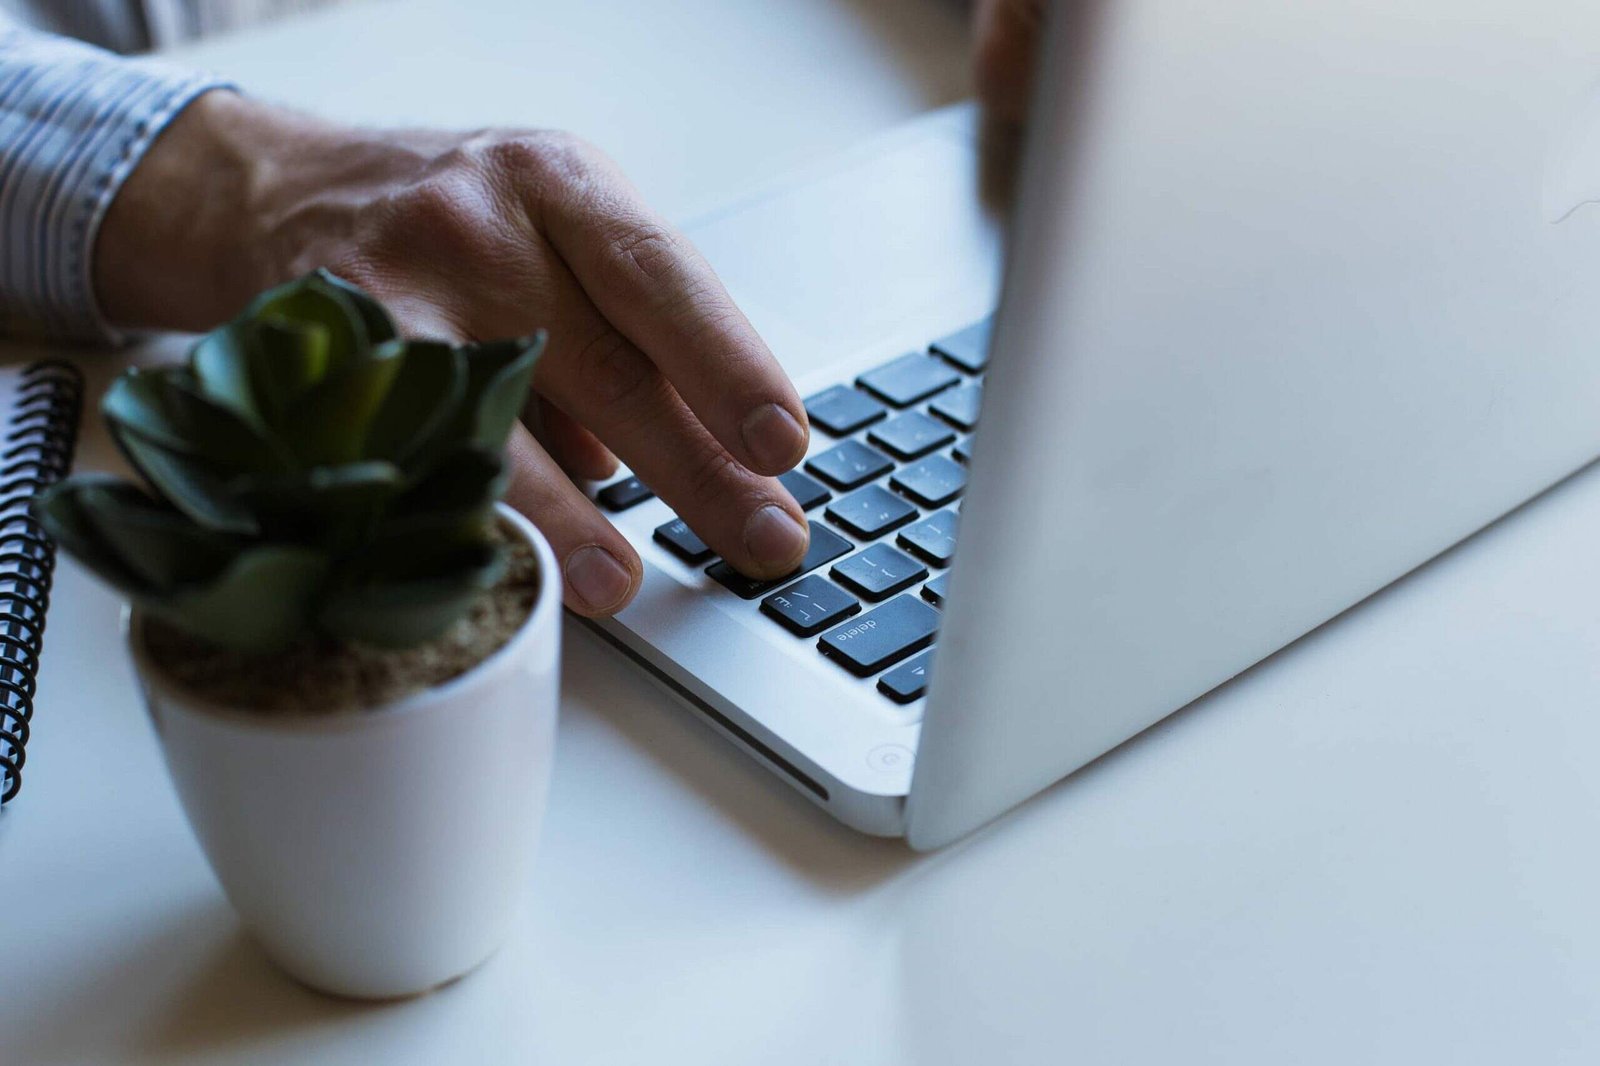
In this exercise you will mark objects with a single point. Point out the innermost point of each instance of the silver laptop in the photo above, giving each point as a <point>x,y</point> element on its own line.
<point>1295,297</point>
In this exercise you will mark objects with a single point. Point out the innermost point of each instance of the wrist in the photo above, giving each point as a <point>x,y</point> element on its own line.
<point>188,238</point>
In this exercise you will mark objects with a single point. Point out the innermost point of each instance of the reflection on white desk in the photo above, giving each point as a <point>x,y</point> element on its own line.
<point>1377,847</point>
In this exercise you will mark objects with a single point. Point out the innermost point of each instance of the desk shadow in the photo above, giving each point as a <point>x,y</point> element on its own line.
<point>235,997</point>
<point>769,812</point>
<point>189,982</point>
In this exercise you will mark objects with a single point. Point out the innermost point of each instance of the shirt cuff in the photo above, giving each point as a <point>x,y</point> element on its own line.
<point>74,122</point>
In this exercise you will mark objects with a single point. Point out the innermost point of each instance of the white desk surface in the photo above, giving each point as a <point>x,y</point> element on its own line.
<point>1380,846</point>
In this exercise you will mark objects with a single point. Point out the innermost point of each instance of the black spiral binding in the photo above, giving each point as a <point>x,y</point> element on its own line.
<point>35,452</point>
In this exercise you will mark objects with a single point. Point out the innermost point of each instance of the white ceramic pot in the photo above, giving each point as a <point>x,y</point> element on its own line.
<point>377,853</point>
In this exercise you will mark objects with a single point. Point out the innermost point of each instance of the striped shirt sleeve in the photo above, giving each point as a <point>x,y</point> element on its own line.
<point>74,121</point>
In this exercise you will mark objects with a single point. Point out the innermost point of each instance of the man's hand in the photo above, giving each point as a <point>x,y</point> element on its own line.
<point>475,237</point>
<point>1006,35</point>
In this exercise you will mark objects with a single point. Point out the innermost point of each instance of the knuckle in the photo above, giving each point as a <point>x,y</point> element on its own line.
<point>709,472</point>
<point>542,170</point>
<point>438,212</point>
<point>452,225</point>
<point>721,331</point>
<point>499,153</point>
<point>552,155</point>
<point>644,252</point>
<point>561,145</point>
<point>612,372</point>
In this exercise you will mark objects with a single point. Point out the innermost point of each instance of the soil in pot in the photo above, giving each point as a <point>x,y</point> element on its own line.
<point>329,676</point>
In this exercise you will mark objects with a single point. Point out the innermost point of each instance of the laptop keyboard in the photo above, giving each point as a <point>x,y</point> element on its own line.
<point>882,509</point>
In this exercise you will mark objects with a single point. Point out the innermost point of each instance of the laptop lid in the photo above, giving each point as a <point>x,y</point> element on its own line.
<point>1298,295</point>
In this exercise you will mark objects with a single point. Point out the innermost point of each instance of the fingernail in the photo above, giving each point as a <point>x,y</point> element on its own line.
<point>597,577</point>
<point>774,439</point>
<point>773,537</point>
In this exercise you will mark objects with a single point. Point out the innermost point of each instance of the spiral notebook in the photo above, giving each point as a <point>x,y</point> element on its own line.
<point>39,408</point>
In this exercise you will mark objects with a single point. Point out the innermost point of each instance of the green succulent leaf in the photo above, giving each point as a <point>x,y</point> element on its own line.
<point>188,484</point>
<point>59,509</point>
<point>380,327</point>
<point>330,422</point>
<point>308,473</point>
<point>167,407</point>
<point>260,369</point>
<point>333,504</point>
<point>138,402</point>
<point>264,601</point>
<point>135,543</point>
<point>426,392</point>
<point>285,361</point>
<point>450,509</point>
<point>498,377</point>
<point>153,540</point>
<point>466,478</point>
<point>316,301</point>
<point>400,611</point>
<point>220,364</point>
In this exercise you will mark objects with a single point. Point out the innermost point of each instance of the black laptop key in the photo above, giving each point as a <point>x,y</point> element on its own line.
<point>908,379</point>
<point>871,512</point>
<point>849,464</point>
<point>932,482</point>
<point>934,591</point>
<point>882,636</point>
<point>810,605</point>
<point>968,348</point>
<point>959,407</point>
<point>911,435</point>
<point>963,450</point>
<point>878,572</point>
<point>826,546</point>
<point>909,680</point>
<point>805,490</point>
<point>842,410</point>
<point>621,495</point>
<point>682,542</point>
<point>933,538</point>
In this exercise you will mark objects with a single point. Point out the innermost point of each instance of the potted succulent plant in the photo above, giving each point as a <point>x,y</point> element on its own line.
<point>347,643</point>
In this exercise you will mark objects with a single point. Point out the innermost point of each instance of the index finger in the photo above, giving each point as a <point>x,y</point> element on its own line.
<point>661,294</point>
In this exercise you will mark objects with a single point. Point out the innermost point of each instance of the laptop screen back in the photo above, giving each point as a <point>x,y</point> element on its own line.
<point>1287,312</point>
